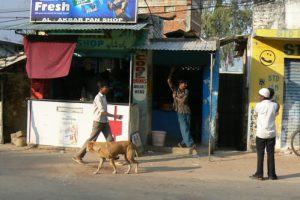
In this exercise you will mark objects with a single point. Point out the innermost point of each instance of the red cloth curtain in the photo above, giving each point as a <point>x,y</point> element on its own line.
<point>48,56</point>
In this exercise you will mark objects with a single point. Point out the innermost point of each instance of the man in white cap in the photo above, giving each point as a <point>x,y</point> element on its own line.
<point>266,111</point>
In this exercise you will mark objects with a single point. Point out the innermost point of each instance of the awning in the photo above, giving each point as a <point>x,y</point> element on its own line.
<point>8,61</point>
<point>74,27</point>
<point>180,44</point>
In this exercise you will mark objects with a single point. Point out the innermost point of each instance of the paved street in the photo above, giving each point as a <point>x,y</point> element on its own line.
<point>51,174</point>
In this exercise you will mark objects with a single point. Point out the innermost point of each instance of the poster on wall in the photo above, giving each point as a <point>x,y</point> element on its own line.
<point>70,124</point>
<point>83,11</point>
<point>140,76</point>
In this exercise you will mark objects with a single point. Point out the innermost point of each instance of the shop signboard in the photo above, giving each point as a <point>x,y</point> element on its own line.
<point>67,124</point>
<point>140,76</point>
<point>83,11</point>
<point>114,40</point>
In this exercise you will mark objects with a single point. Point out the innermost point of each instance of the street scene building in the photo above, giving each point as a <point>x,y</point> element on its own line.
<point>113,52</point>
<point>274,63</point>
<point>188,94</point>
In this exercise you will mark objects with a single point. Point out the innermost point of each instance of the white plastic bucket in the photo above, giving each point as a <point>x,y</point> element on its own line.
<point>158,138</point>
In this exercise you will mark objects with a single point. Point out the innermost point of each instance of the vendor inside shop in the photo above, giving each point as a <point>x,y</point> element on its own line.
<point>164,116</point>
<point>85,75</point>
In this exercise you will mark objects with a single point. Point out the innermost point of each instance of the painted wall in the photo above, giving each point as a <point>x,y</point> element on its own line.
<point>267,70</point>
<point>277,14</point>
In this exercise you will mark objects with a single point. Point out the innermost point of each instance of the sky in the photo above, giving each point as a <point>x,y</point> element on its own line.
<point>9,16</point>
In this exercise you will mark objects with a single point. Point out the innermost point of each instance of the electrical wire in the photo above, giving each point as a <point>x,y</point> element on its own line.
<point>1,17</point>
<point>154,27</point>
<point>13,11</point>
<point>13,20</point>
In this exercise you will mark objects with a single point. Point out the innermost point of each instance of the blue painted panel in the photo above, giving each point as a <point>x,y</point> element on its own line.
<point>166,121</point>
<point>205,106</point>
<point>206,100</point>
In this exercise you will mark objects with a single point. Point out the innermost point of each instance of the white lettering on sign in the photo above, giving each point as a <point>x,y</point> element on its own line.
<point>40,6</point>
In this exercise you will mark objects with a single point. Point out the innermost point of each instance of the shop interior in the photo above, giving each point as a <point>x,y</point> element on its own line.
<point>164,118</point>
<point>86,73</point>
<point>187,67</point>
<point>231,111</point>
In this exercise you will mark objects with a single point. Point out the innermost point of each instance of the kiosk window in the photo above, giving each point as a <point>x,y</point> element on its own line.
<point>85,76</point>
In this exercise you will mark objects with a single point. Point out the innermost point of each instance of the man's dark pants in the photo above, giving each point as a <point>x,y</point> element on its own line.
<point>97,129</point>
<point>261,144</point>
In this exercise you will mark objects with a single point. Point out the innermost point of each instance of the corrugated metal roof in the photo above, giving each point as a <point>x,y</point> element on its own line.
<point>10,60</point>
<point>75,27</point>
<point>180,44</point>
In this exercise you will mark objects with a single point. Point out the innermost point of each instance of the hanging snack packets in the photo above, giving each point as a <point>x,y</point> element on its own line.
<point>80,2</point>
<point>89,8</point>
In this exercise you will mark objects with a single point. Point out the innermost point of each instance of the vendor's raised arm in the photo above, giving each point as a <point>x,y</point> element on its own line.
<point>170,82</point>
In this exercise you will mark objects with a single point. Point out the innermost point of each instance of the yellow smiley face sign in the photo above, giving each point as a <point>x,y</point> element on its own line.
<point>267,57</point>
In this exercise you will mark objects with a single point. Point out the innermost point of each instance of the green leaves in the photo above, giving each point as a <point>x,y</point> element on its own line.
<point>221,19</point>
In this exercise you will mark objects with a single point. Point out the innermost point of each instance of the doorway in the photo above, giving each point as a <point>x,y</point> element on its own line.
<point>230,109</point>
<point>163,116</point>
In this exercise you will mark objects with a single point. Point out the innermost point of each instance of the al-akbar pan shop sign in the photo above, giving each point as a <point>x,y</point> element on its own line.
<point>83,11</point>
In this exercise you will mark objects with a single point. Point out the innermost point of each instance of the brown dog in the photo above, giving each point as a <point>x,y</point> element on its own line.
<point>110,150</point>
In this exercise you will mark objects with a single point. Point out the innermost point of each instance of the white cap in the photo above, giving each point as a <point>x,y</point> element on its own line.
<point>264,92</point>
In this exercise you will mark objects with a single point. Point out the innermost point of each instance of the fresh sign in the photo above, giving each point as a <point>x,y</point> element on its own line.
<point>83,11</point>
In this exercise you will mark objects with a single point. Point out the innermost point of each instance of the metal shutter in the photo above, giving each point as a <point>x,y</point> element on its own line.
<point>291,108</point>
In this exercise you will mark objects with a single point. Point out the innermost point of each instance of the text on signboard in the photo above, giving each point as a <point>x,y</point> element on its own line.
<point>40,6</point>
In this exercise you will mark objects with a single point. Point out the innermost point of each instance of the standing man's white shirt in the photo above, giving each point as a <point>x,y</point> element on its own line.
<point>100,106</point>
<point>266,113</point>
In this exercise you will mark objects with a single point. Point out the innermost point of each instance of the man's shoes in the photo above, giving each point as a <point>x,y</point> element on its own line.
<point>273,177</point>
<point>78,160</point>
<point>255,177</point>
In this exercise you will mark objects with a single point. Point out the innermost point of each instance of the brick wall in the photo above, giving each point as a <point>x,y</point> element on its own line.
<point>167,8</point>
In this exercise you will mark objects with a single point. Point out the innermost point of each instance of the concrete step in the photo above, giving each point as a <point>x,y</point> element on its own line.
<point>178,151</point>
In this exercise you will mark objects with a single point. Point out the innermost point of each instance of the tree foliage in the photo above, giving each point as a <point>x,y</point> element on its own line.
<point>221,19</point>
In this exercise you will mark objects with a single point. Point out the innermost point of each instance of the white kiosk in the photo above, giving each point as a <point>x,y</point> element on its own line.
<point>69,124</point>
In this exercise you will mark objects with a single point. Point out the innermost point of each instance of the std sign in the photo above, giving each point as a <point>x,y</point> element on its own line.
<point>83,11</point>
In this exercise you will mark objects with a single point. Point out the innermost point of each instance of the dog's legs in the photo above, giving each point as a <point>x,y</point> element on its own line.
<point>99,166</point>
<point>129,164</point>
<point>112,163</point>
<point>136,166</point>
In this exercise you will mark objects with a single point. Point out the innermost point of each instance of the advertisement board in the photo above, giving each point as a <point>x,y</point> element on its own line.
<point>140,76</point>
<point>83,11</point>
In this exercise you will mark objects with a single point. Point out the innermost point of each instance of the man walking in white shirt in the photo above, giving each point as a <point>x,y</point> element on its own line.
<point>266,111</point>
<point>100,121</point>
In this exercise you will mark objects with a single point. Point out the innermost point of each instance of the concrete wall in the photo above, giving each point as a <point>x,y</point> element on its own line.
<point>16,91</point>
<point>186,19</point>
<point>280,14</point>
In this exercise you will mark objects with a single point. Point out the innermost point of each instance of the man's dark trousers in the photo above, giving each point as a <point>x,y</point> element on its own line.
<point>261,144</point>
